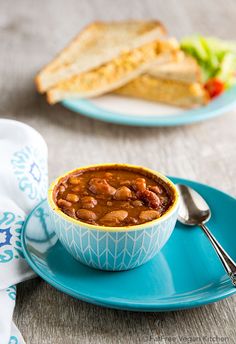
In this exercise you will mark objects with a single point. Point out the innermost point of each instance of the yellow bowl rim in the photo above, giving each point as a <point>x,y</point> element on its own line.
<point>171,209</point>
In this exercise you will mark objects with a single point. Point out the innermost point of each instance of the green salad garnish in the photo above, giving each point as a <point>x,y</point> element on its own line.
<point>216,57</point>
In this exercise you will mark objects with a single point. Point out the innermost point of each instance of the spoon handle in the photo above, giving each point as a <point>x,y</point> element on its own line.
<point>227,261</point>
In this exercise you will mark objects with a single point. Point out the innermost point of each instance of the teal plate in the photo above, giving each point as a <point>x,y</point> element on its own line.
<point>186,273</point>
<point>121,110</point>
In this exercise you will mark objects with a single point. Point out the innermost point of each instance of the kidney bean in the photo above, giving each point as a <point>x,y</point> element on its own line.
<point>114,217</point>
<point>149,198</point>
<point>74,180</point>
<point>148,215</point>
<point>77,188</point>
<point>157,189</point>
<point>88,202</point>
<point>140,184</point>
<point>125,183</point>
<point>137,203</point>
<point>123,193</point>
<point>63,203</point>
<point>86,215</point>
<point>62,188</point>
<point>108,175</point>
<point>72,198</point>
<point>101,186</point>
<point>70,212</point>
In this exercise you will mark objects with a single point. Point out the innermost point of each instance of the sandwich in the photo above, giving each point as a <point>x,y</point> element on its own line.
<point>175,83</point>
<point>105,56</point>
<point>113,74</point>
<point>98,43</point>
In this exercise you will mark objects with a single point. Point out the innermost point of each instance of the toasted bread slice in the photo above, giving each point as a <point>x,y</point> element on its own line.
<point>115,73</point>
<point>170,92</point>
<point>184,69</point>
<point>97,44</point>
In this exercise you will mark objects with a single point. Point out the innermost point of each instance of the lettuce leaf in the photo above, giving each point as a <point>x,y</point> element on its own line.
<point>217,58</point>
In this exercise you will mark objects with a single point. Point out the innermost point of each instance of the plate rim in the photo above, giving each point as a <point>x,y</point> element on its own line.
<point>87,108</point>
<point>128,305</point>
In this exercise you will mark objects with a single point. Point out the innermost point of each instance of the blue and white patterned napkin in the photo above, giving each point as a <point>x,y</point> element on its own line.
<point>23,184</point>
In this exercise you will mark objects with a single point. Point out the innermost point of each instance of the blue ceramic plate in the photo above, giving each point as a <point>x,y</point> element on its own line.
<point>130,111</point>
<point>186,273</point>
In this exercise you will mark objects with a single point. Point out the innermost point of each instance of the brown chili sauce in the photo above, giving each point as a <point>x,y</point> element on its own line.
<point>113,196</point>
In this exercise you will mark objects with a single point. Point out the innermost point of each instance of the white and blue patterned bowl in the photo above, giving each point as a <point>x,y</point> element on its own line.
<point>113,248</point>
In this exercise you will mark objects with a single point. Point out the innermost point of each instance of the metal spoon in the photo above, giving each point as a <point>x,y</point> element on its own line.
<point>195,211</point>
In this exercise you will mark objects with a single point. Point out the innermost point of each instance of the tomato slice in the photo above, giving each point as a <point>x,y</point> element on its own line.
<point>214,87</point>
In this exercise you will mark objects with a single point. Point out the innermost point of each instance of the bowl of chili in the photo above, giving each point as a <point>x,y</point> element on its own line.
<point>113,216</point>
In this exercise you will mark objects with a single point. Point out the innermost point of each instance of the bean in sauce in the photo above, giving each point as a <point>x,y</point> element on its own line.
<point>114,197</point>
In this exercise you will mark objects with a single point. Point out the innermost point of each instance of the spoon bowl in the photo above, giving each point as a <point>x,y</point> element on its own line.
<point>193,208</point>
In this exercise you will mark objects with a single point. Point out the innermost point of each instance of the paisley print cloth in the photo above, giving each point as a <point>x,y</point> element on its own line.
<point>23,183</point>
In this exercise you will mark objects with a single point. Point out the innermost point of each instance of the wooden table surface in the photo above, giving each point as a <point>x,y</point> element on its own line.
<point>31,32</point>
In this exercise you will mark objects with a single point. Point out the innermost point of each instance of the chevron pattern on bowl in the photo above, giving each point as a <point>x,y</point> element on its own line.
<point>111,249</point>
